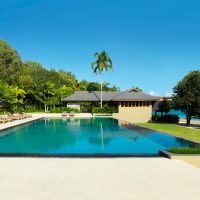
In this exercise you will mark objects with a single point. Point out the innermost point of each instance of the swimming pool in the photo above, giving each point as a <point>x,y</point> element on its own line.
<point>84,137</point>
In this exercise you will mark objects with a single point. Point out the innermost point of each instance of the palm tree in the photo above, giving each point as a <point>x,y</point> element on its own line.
<point>102,63</point>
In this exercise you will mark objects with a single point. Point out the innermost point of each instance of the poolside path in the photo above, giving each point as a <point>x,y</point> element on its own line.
<point>18,122</point>
<point>98,179</point>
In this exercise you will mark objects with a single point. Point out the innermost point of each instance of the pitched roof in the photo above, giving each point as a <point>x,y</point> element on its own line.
<point>134,96</point>
<point>109,96</point>
<point>81,96</point>
<point>106,96</point>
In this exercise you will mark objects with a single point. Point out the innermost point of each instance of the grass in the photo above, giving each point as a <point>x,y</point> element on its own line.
<point>179,131</point>
<point>195,150</point>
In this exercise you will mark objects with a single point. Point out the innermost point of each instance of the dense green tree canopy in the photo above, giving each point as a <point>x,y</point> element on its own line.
<point>10,64</point>
<point>31,84</point>
<point>187,95</point>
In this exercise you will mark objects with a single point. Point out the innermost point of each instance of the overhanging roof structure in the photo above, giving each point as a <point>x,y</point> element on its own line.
<point>95,96</point>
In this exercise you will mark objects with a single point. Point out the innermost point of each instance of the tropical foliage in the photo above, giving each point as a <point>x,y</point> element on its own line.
<point>187,95</point>
<point>29,85</point>
<point>103,63</point>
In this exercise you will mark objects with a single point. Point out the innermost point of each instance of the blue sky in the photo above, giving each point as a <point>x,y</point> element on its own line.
<point>153,44</point>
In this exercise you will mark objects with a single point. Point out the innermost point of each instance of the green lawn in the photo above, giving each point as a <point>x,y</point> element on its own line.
<point>185,150</point>
<point>184,132</point>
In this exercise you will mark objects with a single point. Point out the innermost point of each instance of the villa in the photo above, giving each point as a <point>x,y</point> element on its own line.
<point>133,106</point>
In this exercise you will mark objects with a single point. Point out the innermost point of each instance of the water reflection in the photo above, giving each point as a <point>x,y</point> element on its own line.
<point>89,136</point>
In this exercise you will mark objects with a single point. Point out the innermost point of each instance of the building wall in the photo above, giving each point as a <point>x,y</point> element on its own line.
<point>134,114</point>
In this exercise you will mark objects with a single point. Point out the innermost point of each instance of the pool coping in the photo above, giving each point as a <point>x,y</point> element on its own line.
<point>193,159</point>
<point>38,155</point>
<point>29,120</point>
<point>171,155</point>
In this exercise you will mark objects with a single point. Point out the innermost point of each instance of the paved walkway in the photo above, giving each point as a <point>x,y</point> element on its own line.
<point>18,122</point>
<point>98,179</point>
<point>193,124</point>
<point>39,116</point>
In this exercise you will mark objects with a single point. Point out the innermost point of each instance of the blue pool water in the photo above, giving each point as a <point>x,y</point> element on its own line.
<point>85,136</point>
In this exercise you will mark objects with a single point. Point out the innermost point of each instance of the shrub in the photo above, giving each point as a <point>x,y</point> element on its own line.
<point>33,109</point>
<point>155,118</point>
<point>169,119</point>
<point>105,109</point>
<point>166,118</point>
<point>64,109</point>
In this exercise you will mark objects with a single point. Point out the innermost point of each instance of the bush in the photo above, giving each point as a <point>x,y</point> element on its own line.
<point>185,150</point>
<point>155,118</point>
<point>86,107</point>
<point>63,109</point>
<point>105,109</point>
<point>169,119</point>
<point>166,118</point>
<point>31,109</point>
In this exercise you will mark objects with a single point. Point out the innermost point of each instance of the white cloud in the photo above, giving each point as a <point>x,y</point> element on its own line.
<point>153,93</point>
<point>168,94</point>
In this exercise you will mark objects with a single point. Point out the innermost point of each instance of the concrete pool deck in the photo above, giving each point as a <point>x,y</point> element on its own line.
<point>18,122</point>
<point>98,179</point>
<point>39,116</point>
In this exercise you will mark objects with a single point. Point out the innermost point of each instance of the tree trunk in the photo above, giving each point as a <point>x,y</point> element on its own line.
<point>101,87</point>
<point>188,120</point>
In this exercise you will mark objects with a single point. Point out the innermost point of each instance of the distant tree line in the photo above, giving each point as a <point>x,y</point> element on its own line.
<point>30,85</point>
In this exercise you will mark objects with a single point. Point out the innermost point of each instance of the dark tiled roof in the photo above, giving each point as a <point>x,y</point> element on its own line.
<point>81,96</point>
<point>109,96</point>
<point>106,96</point>
<point>134,96</point>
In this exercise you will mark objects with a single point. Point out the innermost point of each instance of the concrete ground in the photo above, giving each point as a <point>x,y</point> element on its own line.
<point>18,122</point>
<point>193,124</point>
<point>98,179</point>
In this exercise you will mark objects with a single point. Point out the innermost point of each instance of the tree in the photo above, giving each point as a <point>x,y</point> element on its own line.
<point>10,64</point>
<point>138,89</point>
<point>13,95</point>
<point>114,88</point>
<point>102,63</point>
<point>164,106</point>
<point>64,91</point>
<point>38,85</point>
<point>48,94</point>
<point>186,95</point>
<point>93,86</point>
<point>82,85</point>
